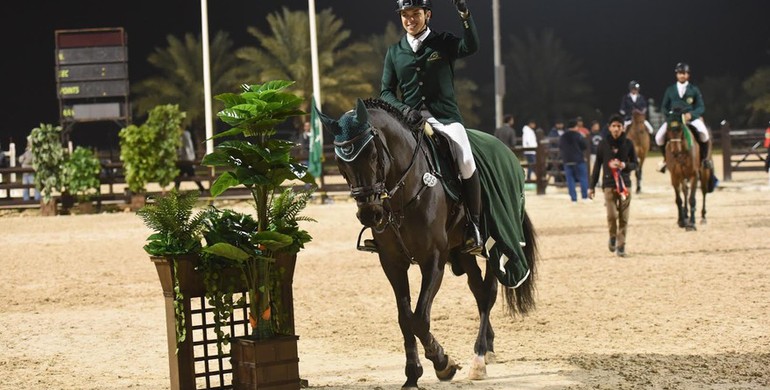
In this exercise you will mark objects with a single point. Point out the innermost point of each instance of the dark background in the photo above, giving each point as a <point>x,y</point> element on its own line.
<point>615,41</point>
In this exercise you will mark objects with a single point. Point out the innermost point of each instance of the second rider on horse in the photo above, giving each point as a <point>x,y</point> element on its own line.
<point>421,67</point>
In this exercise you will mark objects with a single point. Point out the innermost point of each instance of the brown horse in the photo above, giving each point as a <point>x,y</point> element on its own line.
<point>638,134</point>
<point>683,162</point>
<point>414,221</point>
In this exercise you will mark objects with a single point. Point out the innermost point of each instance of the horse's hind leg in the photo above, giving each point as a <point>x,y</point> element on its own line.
<point>703,210</point>
<point>485,291</point>
<point>399,281</point>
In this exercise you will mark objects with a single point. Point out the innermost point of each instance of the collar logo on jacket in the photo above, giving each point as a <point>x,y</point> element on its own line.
<point>435,56</point>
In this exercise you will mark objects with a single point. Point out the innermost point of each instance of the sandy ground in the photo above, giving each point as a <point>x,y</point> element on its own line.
<point>83,309</point>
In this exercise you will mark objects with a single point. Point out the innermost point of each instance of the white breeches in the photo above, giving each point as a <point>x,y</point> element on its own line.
<point>703,132</point>
<point>646,123</point>
<point>456,132</point>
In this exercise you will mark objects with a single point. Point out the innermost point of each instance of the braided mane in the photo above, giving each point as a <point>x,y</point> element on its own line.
<point>387,107</point>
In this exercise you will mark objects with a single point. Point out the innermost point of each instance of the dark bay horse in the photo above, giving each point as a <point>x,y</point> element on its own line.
<point>683,162</point>
<point>414,221</point>
<point>638,134</point>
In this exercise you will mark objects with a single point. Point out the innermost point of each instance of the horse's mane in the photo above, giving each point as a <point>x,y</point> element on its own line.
<point>387,107</point>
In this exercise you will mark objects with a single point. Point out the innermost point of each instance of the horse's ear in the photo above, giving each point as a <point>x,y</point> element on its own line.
<point>362,116</point>
<point>330,124</point>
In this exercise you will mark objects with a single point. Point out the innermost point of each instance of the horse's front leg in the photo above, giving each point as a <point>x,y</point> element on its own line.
<point>484,290</point>
<point>399,280</point>
<point>680,207</point>
<point>693,207</point>
<point>432,275</point>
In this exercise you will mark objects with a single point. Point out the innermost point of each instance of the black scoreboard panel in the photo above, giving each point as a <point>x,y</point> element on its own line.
<point>93,89</point>
<point>92,72</point>
<point>90,55</point>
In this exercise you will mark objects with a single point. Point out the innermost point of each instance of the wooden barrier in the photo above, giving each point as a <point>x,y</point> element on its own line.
<point>741,150</point>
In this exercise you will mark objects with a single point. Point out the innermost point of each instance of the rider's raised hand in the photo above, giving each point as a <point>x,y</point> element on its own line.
<point>461,6</point>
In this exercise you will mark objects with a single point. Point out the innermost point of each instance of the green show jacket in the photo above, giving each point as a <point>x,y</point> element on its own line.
<point>427,76</point>
<point>692,99</point>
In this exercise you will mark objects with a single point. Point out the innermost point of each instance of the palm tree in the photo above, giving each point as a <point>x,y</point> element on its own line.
<point>180,81</point>
<point>284,54</point>
<point>543,80</point>
<point>371,64</point>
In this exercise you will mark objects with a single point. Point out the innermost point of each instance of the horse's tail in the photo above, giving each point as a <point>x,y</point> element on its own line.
<point>521,300</point>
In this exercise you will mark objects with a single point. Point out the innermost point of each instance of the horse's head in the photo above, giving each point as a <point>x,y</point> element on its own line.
<point>361,161</point>
<point>674,133</point>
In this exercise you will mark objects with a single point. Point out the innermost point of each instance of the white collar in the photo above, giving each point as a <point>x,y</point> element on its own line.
<point>682,85</point>
<point>421,37</point>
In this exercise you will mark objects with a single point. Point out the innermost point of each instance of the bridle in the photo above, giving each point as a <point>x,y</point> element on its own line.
<point>378,190</point>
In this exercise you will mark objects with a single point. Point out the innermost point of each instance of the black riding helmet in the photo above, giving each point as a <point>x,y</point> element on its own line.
<point>404,4</point>
<point>682,67</point>
<point>633,84</point>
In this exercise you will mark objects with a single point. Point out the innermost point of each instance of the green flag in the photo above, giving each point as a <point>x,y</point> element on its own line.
<point>315,158</point>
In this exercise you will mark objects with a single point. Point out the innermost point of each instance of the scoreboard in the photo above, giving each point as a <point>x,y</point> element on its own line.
<point>92,75</point>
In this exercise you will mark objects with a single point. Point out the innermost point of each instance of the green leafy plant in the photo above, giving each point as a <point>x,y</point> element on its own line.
<point>50,157</point>
<point>262,164</point>
<point>81,174</point>
<point>176,232</point>
<point>149,151</point>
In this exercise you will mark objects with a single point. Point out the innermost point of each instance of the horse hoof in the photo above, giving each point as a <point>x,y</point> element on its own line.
<point>478,369</point>
<point>490,357</point>
<point>449,371</point>
<point>410,388</point>
<point>691,228</point>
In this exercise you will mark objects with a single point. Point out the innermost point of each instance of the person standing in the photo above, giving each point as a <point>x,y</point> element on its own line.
<point>421,67</point>
<point>27,160</point>
<point>186,161</point>
<point>572,147</point>
<point>506,133</point>
<point>529,140</point>
<point>616,157</point>
<point>594,138</point>
<point>767,156</point>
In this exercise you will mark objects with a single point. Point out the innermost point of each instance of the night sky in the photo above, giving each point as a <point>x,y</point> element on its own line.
<point>615,40</point>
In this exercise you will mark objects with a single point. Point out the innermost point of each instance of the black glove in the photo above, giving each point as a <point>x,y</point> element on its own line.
<point>413,117</point>
<point>460,4</point>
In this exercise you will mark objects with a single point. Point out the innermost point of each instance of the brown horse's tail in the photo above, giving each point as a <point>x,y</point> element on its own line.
<point>521,300</point>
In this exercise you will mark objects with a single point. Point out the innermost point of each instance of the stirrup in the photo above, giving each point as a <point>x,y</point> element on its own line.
<point>369,244</point>
<point>472,240</point>
<point>707,163</point>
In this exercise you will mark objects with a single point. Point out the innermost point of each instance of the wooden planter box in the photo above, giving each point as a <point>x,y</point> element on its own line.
<point>271,364</point>
<point>192,365</point>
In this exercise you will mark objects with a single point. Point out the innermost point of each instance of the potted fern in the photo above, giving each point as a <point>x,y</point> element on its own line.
<point>265,251</point>
<point>174,246</point>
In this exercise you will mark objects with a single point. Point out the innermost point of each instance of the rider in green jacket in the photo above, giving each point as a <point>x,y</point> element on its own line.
<point>421,67</point>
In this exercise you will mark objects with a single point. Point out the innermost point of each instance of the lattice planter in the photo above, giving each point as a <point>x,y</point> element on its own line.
<point>195,363</point>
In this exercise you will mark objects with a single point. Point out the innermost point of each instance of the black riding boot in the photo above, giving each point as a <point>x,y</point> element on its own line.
<point>704,154</point>
<point>472,200</point>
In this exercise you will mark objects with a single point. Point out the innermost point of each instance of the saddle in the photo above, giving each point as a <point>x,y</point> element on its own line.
<point>443,161</point>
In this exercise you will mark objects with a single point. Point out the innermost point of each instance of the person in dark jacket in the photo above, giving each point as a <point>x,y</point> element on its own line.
<point>421,67</point>
<point>572,147</point>
<point>616,158</point>
<point>506,132</point>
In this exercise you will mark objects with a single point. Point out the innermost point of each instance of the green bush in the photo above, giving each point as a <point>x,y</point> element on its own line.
<point>50,157</point>
<point>149,151</point>
<point>81,174</point>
